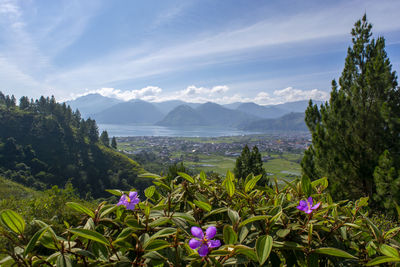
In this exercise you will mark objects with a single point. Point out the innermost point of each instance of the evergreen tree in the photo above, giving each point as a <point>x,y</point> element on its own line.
<point>359,123</point>
<point>24,103</point>
<point>114,143</point>
<point>250,162</point>
<point>387,181</point>
<point>104,138</point>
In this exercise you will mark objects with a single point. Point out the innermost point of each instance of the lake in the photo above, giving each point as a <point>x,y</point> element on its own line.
<point>153,130</point>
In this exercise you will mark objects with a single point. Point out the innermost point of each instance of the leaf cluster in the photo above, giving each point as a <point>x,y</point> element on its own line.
<point>256,225</point>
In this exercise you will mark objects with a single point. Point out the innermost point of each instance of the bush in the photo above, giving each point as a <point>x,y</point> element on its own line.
<point>254,225</point>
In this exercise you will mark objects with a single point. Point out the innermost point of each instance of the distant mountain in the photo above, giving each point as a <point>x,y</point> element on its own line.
<point>274,111</point>
<point>232,105</point>
<point>208,114</point>
<point>265,112</point>
<point>136,111</point>
<point>92,104</point>
<point>217,115</point>
<point>183,115</point>
<point>289,122</point>
<point>167,106</point>
<point>296,106</point>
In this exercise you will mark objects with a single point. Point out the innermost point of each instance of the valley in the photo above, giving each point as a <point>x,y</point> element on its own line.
<point>281,152</point>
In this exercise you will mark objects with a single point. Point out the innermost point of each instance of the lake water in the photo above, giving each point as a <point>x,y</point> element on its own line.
<point>153,130</point>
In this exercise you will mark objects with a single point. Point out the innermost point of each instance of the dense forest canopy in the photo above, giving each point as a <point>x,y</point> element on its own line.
<point>45,143</point>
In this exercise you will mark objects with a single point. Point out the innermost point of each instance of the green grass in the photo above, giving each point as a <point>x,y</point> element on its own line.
<point>281,167</point>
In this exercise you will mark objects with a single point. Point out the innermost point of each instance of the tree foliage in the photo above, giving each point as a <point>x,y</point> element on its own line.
<point>43,143</point>
<point>250,162</point>
<point>359,123</point>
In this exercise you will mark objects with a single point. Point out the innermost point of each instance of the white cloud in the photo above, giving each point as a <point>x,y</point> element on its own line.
<point>217,94</point>
<point>290,94</point>
<point>148,93</point>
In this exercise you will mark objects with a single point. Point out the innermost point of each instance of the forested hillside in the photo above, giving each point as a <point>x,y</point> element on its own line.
<point>44,143</point>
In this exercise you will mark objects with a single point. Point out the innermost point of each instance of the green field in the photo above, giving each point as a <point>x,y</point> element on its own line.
<point>280,166</point>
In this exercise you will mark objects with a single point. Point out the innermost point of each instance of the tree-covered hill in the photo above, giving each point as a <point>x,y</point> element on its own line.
<point>289,122</point>
<point>44,143</point>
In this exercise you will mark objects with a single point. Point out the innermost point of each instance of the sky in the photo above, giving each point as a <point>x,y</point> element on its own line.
<point>224,51</point>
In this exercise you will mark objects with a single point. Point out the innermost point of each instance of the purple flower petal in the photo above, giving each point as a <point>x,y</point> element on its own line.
<point>210,232</point>
<point>130,206</point>
<point>310,201</point>
<point>203,250</point>
<point>303,203</point>
<point>132,195</point>
<point>194,243</point>
<point>316,206</point>
<point>197,232</point>
<point>214,243</point>
<point>122,200</point>
<point>308,211</point>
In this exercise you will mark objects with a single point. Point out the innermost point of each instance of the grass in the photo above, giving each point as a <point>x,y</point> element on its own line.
<point>280,166</point>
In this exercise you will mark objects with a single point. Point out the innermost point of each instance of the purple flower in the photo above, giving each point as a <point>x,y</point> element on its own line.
<point>203,242</point>
<point>307,206</point>
<point>129,201</point>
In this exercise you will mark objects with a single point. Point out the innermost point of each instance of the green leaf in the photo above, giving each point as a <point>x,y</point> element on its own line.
<point>253,219</point>
<point>215,211</point>
<point>156,244</point>
<point>80,208</point>
<point>89,234</point>
<point>163,185</point>
<point>63,261</point>
<point>149,191</point>
<point>263,248</point>
<point>381,259</point>
<point>131,221</point>
<point>230,237</point>
<point>362,202</point>
<point>323,183</point>
<point>159,221</point>
<point>306,185</point>
<point>229,185</point>
<point>334,252</point>
<point>388,233</point>
<point>154,255</point>
<point>115,192</point>
<point>13,221</point>
<point>282,232</point>
<point>203,176</point>
<point>251,183</point>
<point>125,233</point>
<point>377,233</point>
<point>389,251</point>
<point>234,216</point>
<point>34,239</point>
<point>150,175</point>
<point>248,252</point>
<point>186,177</point>
<point>164,232</point>
<point>203,205</point>
<point>184,216</point>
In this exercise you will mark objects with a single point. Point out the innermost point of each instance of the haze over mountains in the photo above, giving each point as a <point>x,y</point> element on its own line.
<point>176,113</point>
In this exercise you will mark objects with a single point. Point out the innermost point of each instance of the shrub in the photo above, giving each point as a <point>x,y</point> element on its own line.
<point>254,225</point>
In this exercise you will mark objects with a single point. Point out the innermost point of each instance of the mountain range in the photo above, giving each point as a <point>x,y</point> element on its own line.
<point>248,116</point>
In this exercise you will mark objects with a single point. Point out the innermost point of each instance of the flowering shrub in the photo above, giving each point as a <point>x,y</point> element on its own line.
<point>246,225</point>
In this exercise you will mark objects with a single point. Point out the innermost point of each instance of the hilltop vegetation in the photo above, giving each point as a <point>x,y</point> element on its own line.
<point>44,143</point>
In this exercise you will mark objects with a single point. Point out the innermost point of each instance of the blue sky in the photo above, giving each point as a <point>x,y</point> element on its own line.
<point>195,50</point>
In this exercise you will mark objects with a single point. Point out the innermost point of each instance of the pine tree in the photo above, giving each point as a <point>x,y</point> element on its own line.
<point>114,143</point>
<point>387,181</point>
<point>104,138</point>
<point>250,162</point>
<point>359,123</point>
